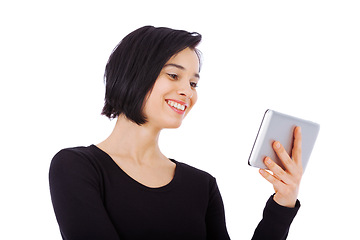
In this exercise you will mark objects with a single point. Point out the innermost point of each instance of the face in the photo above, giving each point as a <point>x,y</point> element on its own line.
<point>174,92</point>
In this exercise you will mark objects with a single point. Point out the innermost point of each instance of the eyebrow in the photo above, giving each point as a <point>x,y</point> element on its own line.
<point>180,67</point>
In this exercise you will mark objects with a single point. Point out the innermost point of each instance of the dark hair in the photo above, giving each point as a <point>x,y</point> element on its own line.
<point>135,64</point>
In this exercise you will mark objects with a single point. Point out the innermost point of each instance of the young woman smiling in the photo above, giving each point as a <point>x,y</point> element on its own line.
<point>124,187</point>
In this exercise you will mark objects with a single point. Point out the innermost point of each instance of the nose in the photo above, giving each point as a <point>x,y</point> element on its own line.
<point>186,91</point>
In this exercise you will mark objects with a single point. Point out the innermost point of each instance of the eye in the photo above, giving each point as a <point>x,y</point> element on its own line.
<point>193,84</point>
<point>173,76</point>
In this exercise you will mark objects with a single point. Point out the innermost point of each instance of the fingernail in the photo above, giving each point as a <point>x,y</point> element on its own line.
<point>267,160</point>
<point>277,145</point>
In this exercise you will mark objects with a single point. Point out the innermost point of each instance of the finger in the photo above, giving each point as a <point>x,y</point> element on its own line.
<point>284,156</point>
<point>278,172</point>
<point>296,151</point>
<point>271,178</point>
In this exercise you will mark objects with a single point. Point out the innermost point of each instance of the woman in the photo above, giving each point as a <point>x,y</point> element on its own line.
<point>124,187</point>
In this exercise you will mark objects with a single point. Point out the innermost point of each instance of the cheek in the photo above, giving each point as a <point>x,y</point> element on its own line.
<point>194,99</point>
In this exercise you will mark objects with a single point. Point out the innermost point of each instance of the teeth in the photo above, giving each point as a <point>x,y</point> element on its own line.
<point>176,105</point>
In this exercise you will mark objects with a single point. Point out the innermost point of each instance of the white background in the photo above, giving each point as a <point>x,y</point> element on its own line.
<point>296,57</point>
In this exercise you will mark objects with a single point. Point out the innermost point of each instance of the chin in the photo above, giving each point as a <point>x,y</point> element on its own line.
<point>170,122</point>
<point>173,124</point>
<point>167,122</point>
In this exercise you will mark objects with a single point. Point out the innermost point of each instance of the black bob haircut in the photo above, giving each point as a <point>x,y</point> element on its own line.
<point>135,64</point>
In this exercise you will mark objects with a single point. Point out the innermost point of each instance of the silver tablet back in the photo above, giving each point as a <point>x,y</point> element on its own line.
<point>277,126</point>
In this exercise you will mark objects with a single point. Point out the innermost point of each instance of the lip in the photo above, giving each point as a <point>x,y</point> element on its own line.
<point>180,102</point>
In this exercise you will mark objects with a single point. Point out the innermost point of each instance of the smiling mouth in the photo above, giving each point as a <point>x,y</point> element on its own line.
<point>178,107</point>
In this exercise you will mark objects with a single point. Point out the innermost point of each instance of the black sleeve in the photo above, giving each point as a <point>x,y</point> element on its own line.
<point>215,216</point>
<point>76,198</point>
<point>276,221</point>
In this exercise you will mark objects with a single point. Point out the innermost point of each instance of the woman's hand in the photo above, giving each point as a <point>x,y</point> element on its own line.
<point>285,182</point>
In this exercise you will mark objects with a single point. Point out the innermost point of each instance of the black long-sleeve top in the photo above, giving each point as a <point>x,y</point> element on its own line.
<point>93,198</point>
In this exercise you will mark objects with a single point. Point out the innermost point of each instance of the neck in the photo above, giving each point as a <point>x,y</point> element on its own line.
<point>129,140</point>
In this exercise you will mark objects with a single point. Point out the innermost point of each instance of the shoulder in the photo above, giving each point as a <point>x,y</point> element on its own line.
<point>199,182</point>
<point>68,155</point>
<point>75,159</point>
<point>80,151</point>
<point>194,174</point>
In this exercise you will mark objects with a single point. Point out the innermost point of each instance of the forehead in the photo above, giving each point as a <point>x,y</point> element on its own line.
<point>186,58</point>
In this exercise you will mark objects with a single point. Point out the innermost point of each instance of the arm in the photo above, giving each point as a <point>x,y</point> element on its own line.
<point>75,194</point>
<point>282,207</point>
<point>215,215</point>
<point>276,221</point>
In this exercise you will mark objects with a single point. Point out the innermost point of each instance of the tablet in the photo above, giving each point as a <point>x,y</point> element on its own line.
<point>280,127</point>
